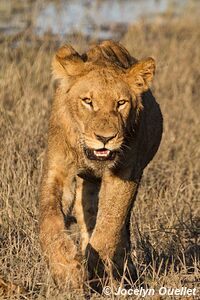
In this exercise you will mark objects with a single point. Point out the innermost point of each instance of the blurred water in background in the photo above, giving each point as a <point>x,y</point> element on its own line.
<point>102,19</point>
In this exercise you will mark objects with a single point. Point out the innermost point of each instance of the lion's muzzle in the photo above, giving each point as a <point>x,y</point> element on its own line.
<point>102,146</point>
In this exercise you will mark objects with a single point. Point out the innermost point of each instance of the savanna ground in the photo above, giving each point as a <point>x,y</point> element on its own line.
<point>166,216</point>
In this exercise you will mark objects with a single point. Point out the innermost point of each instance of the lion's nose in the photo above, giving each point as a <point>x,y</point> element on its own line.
<point>104,139</point>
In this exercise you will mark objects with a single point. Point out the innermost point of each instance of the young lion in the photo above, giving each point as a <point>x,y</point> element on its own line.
<point>105,127</point>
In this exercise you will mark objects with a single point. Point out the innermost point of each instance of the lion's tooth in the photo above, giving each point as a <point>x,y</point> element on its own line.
<point>103,153</point>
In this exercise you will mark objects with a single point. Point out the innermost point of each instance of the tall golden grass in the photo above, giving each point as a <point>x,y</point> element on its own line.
<point>166,217</point>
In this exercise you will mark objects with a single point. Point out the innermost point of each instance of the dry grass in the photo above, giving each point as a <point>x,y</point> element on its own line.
<point>166,217</point>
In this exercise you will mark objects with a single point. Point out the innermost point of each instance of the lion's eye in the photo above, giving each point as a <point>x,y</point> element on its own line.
<point>121,102</point>
<point>87,101</point>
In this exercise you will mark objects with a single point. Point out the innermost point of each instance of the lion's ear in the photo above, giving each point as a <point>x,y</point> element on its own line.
<point>67,62</point>
<point>140,75</point>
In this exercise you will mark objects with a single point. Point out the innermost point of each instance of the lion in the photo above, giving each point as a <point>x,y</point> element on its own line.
<point>105,127</point>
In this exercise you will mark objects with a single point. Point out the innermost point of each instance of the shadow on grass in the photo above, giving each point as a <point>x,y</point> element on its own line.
<point>179,249</point>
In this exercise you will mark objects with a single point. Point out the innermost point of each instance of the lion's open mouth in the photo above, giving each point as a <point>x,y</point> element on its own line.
<point>100,154</point>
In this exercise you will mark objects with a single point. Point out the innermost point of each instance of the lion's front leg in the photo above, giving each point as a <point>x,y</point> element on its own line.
<point>115,200</point>
<point>59,249</point>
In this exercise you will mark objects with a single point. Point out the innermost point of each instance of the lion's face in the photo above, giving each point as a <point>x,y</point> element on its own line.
<point>101,105</point>
<point>101,98</point>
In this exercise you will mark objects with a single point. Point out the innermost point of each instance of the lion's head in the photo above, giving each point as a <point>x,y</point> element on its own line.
<point>101,90</point>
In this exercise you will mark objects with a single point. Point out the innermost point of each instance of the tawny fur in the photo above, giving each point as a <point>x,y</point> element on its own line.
<point>101,193</point>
